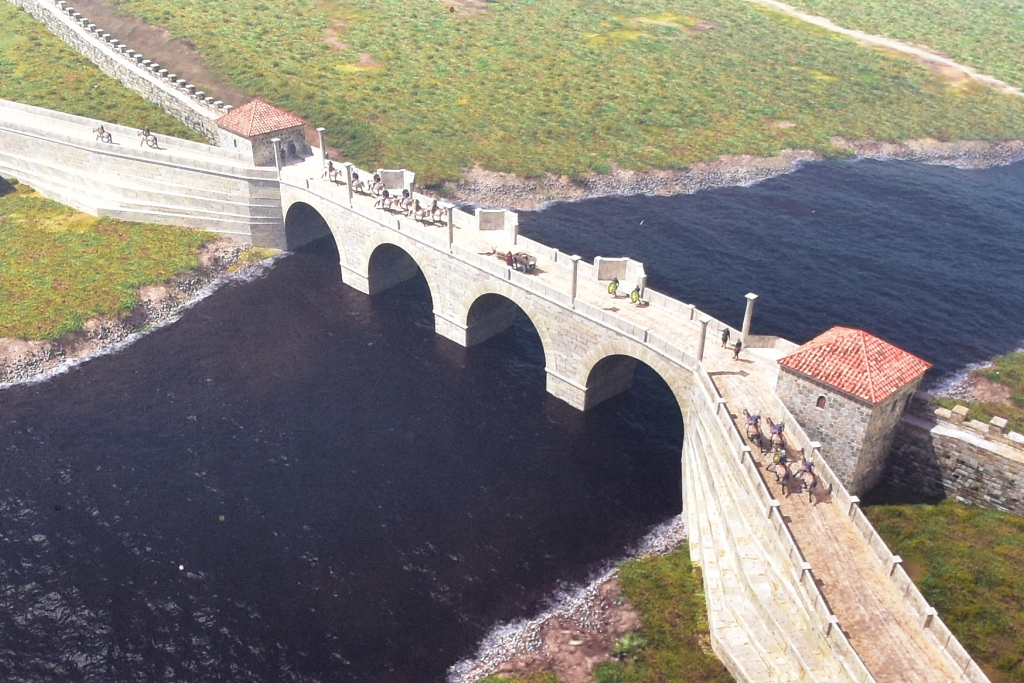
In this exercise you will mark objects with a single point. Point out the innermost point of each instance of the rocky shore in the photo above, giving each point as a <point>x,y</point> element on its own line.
<point>506,190</point>
<point>576,633</point>
<point>219,261</point>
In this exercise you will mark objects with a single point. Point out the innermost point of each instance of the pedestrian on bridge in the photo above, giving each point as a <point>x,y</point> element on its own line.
<point>725,337</point>
<point>736,349</point>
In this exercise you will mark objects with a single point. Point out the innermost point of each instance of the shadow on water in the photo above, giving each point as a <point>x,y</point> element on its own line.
<point>296,482</point>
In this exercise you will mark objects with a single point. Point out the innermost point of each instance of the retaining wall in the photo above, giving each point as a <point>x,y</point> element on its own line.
<point>939,454</point>
<point>182,183</point>
<point>175,96</point>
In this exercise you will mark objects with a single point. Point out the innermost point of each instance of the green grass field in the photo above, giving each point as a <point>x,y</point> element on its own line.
<point>38,68</point>
<point>568,86</point>
<point>985,34</point>
<point>966,561</point>
<point>668,591</point>
<point>59,267</point>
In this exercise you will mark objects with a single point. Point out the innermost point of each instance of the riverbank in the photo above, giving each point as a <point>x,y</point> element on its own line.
<point>220,261</point>
<point>578,631</point>
<point>507,190</point>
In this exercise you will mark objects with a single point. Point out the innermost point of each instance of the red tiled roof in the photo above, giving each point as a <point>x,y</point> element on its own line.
<point>856,363</point>
<point>256,118</point>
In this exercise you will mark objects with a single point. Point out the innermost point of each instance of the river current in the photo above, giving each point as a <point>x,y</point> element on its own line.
<point>296,482</point>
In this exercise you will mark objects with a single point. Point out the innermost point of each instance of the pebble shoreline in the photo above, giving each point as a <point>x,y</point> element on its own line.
<point>579,605</point>
<point>506,190</point>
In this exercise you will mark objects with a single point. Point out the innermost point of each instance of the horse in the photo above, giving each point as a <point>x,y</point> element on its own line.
<point>405,202</point>
<point>776,429</point>
<point>808,479</point>
<point>779,466</point>
<point>754,430</point>
<point>358,185</point>
<point>418,212</point>
<point>102,135</point>
<point>377,186</point>
<point>384,201</point>
<point>147,138</point>
<point>436,212</point>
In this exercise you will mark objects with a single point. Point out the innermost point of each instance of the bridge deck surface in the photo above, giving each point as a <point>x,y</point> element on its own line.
<point>881,628</point>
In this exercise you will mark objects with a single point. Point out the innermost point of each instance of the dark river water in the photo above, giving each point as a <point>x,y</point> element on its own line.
<point>929,258</point>
<point>296,482</point>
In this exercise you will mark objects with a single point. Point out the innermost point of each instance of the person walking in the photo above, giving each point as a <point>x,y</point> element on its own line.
<point>613,287</point>
<point>736,350</point>
<point>725,337</point>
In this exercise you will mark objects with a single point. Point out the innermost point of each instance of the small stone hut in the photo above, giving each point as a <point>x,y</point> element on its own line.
<point>848,389</point>
<point>251,127</point>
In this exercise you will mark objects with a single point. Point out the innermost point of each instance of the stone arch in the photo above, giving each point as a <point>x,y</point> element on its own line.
<point>516,296</point>
<point>304,223</point>
<point>398,269</point>
<point>603,357</point>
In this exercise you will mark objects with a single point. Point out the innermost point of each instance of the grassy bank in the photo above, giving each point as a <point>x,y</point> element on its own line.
<point>668,591</point>
<point>966,561</point>
<point>569,86</point>
<point>38,68</point>
<point>1007,371</point>
<point>59,267</point>
<point>985,34</point>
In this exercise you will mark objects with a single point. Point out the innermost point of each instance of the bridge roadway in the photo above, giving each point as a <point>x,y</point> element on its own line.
<point>887,636</point>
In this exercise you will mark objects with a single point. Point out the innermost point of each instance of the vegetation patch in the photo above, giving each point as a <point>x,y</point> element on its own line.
<point>38,68</point>
<point>966,561</point>
<point>60,267</point>
<point>567,86</point>
<point>1004,372</point>
<point>985,34</point>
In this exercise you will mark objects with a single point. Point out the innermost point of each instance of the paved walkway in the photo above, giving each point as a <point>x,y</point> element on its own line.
<point>885,634</point>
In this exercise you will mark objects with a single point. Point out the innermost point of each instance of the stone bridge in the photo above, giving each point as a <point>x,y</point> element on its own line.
<point>795,591</point>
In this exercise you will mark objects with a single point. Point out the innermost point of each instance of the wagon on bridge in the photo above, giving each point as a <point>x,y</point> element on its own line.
<point>523,262</point>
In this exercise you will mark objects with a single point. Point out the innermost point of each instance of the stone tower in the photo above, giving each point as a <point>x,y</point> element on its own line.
<point>848,389</point>
<point>253,126</point>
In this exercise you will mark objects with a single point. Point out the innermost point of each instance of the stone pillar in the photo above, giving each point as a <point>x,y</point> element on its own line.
<point>575,276</point>
<point>348,177</point>
<point>277,155</point>
<point>450,219</point>
<point>323,150</point>
<point>704,320</point>
<point>747,315</point>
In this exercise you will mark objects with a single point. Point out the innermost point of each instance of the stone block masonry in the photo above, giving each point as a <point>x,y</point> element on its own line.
<point>936,454</point>
<point>127,66</point>
<point>180,183</point>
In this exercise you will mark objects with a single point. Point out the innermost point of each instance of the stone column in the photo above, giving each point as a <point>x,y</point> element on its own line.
<point>450,216</point>
<point>575,276</point>
<point>747,315</point>
<point>323,150</point>
<point>277,155</point>
<point>348,179</point>
<point>704,320</point>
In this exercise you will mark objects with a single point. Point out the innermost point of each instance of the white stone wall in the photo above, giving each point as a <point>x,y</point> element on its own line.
<point>181,183</point>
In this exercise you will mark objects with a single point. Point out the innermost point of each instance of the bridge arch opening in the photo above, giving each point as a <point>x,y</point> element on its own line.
<point>390,265</point>
<point>303,225</point>
<point>648,417</point>
<point>496,316</point>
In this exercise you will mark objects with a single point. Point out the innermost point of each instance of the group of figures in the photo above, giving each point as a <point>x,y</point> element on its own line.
<point>635,297</point>
<point>388,200</point>
<point>146,137</point>
<point>774,446</point>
